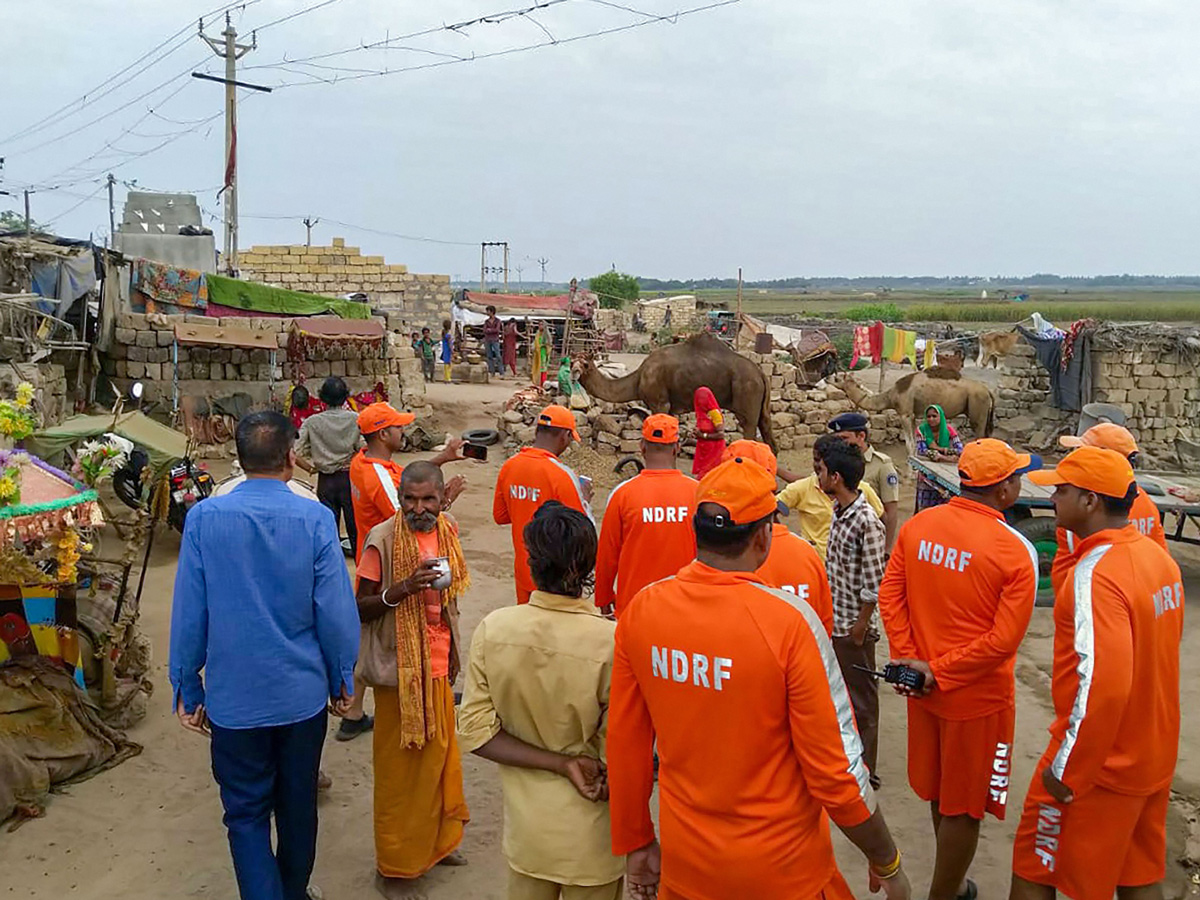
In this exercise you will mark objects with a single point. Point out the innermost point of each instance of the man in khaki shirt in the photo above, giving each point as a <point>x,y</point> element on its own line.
<point>881,474</point>
<point>536,701</point>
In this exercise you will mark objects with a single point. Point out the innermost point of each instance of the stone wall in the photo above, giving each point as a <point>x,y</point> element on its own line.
<point>49,380</point>
<point>798,417</point>
<point>422,300</point>
<point>1153,380</point>
<point>142,351</point>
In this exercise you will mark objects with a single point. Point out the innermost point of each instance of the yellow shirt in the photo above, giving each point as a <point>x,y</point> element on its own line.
<point>541,671</point>
<point>816,509</point>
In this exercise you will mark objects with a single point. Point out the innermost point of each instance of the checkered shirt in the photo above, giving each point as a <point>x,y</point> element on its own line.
<point>854,562</point>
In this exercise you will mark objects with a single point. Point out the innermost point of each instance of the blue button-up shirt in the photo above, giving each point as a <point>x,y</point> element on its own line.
<point>263,604</point>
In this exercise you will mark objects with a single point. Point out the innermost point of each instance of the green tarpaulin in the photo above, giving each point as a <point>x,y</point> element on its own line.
<point>265,299</point>
<point>162,444</point>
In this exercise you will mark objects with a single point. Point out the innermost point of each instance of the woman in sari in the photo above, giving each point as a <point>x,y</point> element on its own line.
<point>539,355</point>
<point>937,441</point>
<point>509,353</point>
<point>710,432</point>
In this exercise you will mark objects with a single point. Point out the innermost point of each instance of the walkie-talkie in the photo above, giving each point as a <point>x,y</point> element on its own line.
<point>894,673</point>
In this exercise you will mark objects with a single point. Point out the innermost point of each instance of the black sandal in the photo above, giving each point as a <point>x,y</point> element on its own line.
<point>971,892</point>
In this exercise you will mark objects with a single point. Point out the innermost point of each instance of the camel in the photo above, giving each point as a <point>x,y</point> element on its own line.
<point>667,379</point>
<point>912,395</point>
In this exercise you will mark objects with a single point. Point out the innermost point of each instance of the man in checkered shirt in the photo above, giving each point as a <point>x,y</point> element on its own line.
<point>855,563</point>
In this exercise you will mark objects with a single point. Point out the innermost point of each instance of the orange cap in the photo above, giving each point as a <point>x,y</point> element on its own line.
<point>989,461</point>
<point>755,450</point>
<point>661,429</point>
<point>379,416</point>
<point>558,417</point>
<point>744,488</point>
<point>1106,435</point>
<point>1096,469</point>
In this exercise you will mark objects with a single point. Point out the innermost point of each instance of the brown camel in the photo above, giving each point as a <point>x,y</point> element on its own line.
<point>667,379</point>
<point>913,394</point>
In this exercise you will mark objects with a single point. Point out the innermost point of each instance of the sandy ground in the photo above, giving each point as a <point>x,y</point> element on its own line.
<point>152,827</point>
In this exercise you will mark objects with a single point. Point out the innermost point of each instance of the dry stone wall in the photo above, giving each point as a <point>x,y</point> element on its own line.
<point>798,416</point>
<point>49,381</point>
<point>1155,382</point>
<point>422,300</point>
<point>142,350</point>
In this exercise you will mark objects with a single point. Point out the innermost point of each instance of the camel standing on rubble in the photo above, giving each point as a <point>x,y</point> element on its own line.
<point>667,379</point>
<point>912,395</point>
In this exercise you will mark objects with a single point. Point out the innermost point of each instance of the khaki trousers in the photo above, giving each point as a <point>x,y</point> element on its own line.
<point>522,887</point>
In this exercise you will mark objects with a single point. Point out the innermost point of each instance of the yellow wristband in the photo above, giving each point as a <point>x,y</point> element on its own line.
<point>891,870</point>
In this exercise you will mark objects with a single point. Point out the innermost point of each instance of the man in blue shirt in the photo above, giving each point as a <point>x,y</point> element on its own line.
<point>263,605</point>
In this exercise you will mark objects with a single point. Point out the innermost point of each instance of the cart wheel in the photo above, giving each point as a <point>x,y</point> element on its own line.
<point>1041,531</point>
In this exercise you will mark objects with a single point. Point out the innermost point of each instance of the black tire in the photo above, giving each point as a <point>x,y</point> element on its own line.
<point>622,467</point>
<point>484,436</point>
<point>1042,532</point>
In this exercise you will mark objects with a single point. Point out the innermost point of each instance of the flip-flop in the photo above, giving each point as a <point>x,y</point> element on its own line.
<point>971,892</point>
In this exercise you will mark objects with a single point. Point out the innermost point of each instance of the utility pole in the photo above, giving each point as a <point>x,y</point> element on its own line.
<point>506,265</point>
<point>483,266</point>
<point>112,221</point>
<point>231,51</point>
<point>27,221</point>
<point>309,223</point>
<point>542,262</point>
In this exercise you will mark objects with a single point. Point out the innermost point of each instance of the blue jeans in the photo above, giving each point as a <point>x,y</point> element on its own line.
<point>495,367</point>
<point>270,770</point>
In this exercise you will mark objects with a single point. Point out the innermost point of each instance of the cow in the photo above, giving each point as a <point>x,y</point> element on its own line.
<point>995,345</point>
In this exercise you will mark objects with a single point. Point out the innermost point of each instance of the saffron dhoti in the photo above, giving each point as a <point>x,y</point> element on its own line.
<point>420,809</point>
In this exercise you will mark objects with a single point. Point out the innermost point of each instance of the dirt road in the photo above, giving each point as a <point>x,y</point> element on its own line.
<point>151,828</point>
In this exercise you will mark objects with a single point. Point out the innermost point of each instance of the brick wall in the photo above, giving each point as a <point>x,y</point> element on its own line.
<point>422,300</point>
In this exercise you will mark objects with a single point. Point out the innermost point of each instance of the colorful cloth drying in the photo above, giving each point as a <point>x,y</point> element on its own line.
<point>862,344</point>
<point>159,288</point>
<point>899,345</point>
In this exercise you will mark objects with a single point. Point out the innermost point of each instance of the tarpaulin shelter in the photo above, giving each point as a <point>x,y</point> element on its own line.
<point>163,445</point>
<point>322,337</point>
<point>260,299</point>
<point>471,309</point>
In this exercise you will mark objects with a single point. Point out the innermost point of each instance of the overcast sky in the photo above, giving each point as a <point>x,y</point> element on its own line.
<point>789,137</point>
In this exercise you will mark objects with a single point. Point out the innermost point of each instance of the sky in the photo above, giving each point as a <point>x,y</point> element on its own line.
<point>787,137</point>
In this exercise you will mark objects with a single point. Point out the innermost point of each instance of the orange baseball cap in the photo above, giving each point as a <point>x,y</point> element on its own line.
<point>558,417</point>
<point>1106,435</point>
<point>1090,468</point>
<point>989,461</point>
<point>379,416</point>
<point>661,429</point>
<point>742,487</point>
<point>755,450</point>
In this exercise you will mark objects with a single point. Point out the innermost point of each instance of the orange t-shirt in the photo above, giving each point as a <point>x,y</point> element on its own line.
<point>794,566</point>
<point>1144,516</point>
<point>738,684</point>
<point>526,481</point>
<point>958,593</point>
<point>646,534</point>
<point>1118,622</point>
<point>374,490</point>
<point>370,567</point>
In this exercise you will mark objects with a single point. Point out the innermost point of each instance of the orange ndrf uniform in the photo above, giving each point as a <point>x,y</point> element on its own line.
<point>1118,620</point>
<point>646,534</point>
<point>794,566</point>
<point>707,663</point>
<point>958,593</point>
<point>375,493</point>
<point>526,481</point>
<point>1144,516</point>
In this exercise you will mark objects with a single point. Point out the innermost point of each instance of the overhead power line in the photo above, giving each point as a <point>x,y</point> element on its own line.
<point>107,87</point>
<point>367,230</point>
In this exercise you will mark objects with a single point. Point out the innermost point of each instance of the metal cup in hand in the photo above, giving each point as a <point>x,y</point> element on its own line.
<point>442,565</point>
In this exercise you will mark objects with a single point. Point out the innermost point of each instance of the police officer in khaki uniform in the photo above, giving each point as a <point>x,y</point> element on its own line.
<point>880,472</point>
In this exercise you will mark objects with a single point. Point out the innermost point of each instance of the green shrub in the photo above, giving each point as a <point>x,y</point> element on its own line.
<point>874,312</point>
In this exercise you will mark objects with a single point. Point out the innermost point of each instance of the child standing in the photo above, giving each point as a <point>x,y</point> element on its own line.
<point>447,351</point>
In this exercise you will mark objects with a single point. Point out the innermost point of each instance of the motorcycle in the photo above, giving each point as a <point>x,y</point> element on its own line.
<point>187,482</point>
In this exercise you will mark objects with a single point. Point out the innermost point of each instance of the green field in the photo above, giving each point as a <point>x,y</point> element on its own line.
<point>967,306</point>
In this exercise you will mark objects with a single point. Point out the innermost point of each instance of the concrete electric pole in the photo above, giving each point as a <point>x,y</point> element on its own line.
<point>112,220</point>
<point>543,262</point>
<point>308,224</point>
<point>228,49</point>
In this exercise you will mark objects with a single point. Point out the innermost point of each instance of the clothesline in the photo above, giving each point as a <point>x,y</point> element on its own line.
<point>881,342</point>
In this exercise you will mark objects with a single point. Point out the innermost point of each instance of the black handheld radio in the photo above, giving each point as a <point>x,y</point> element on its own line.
<point>894,673</point>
